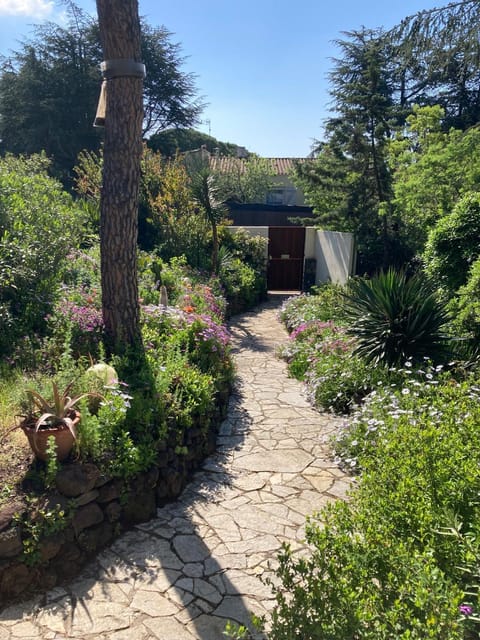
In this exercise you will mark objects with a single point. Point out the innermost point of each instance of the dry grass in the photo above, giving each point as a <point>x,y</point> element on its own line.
<point>15,453</point>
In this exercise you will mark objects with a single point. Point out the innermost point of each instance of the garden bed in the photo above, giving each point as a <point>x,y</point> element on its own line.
<point>400,558</point>
<point>50,537</point>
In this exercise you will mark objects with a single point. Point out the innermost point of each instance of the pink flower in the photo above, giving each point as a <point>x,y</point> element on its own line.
<point>466,609</point>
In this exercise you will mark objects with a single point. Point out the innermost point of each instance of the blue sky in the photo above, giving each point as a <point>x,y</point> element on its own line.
<point>261,65</point>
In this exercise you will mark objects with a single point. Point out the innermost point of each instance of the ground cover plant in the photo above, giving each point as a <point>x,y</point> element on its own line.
<point>400,558</point>
<point>321,353</point>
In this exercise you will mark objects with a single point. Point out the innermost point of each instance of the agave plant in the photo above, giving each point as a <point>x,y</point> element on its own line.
<point>395,318</point>
<point>57,412</point>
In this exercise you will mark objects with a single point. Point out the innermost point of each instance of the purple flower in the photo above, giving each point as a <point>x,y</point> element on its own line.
<point>87,318</point>
<point>466,609</point>
<point>300,329</point>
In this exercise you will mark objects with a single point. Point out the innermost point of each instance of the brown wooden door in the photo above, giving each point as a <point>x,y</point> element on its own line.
<point>286,249</point>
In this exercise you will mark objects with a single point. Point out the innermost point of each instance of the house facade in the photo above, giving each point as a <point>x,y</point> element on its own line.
<point>298,255</point>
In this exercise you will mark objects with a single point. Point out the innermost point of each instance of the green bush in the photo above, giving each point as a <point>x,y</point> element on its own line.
<point>353,587</point>
<point>464,307</point>
<point>242,269</point>
<point>250,249</point>
<point>395,318</point>
<point>39,225</point>
<point>242,287</point>
<point>400,558</point>
<point>337,380</point>
<point>453,246</point>
<point>98,432</point>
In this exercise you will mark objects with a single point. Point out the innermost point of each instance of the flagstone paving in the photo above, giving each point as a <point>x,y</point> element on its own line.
<point>199,564</point>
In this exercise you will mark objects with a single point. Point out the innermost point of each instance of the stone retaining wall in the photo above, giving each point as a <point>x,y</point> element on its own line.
<point>99,508</point>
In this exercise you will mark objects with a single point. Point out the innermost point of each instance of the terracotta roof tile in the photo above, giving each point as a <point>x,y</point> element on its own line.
<point>280,166</point>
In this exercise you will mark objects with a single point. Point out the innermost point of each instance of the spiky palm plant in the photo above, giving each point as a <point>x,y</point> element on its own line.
<point>210,197</point>
<point>395,318</point>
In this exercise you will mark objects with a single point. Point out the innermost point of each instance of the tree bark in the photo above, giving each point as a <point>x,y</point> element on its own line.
<point>120,36</point>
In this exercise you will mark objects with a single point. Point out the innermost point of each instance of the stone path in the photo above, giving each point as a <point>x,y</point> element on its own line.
<point>198,564</point>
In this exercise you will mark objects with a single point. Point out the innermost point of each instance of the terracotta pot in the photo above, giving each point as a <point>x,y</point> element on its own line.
<point>62,434</point>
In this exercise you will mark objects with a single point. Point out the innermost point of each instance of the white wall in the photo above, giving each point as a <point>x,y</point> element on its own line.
<point>335,254</point>
<point>310,242</point>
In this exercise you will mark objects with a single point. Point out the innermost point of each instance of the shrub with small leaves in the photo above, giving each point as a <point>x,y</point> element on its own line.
<point>325,305</point>
<point>399,559</point>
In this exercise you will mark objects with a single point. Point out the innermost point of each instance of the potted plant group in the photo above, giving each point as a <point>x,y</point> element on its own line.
<point>57,418</point>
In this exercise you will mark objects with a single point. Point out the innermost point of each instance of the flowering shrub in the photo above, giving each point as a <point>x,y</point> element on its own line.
<point>203,299</point>
<point>205,340</point>
<point>337,380</point>
<point>82,269</point>
<point>310,339</point>
<point>399,395</point>
<point>76,324</point>
<point>320,353</point>
<point>186,288</point>
<point>326,305</point>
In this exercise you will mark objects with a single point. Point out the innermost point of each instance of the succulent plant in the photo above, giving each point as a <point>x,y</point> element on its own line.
<point>55,412</point>
<point>395,318</point>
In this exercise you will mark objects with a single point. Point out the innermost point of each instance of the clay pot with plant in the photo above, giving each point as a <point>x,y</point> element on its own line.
<point>57,418</point>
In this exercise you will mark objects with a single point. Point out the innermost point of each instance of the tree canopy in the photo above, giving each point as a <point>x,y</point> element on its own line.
<point>172,141</point>
<point>49,89</point>
<point>431,170</point>
<point>379,79</point>
<point>437,61</point>
<point>349,183</point>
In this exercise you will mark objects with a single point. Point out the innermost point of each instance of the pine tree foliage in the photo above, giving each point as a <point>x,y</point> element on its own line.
<point>438,60</point>
<point>49,89</point>
<point>349,182</point>
<point>379,78</point>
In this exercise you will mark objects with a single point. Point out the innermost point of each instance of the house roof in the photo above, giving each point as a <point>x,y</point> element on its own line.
<point>280,166</point>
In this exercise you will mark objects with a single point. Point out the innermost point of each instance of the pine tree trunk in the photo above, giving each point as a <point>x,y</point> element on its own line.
<point>120,36</point>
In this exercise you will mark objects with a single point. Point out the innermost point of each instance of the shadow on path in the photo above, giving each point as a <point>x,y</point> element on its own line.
<point>244,338</point>
<point>183,575</point>
<point>160,580</point>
